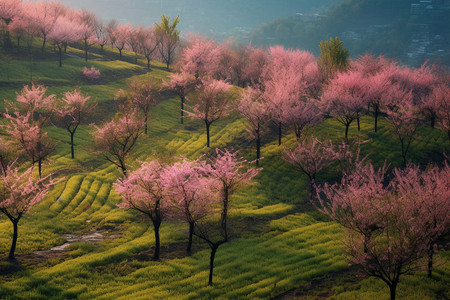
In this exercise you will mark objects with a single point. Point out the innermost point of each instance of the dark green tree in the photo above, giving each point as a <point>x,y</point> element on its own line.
<point>168,38</point>
<point>333,58</point>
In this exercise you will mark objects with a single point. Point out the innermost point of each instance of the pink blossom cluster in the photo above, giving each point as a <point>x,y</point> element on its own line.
<point>91,74</point>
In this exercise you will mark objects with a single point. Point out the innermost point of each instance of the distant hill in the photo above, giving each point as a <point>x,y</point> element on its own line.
<point>204,16</point>
<point>408,30</point>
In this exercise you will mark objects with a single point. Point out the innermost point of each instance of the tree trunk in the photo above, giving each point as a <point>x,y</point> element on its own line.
<point>120,54</point>
<point>40,167</point>
<point>156,225</point>
<point>191,233</point>
<point>207,133</point>
<point>148,63</point>
<point>432,120</point>
<point>225,213</point>
<point>60,56</point>
<point>376,110</point>
<point>258,147</point>
<point>392,288</point>
<point>43,44</point>
<point>182,110</point>
<point>101,48</point>
<point>146,121</point>
<point>346,131</point>
<point>359,125</point>
<point>71,144</point>
<point>430,260</point>
<point>14,241</point>
<point>211,263</point>
<point>279,134</point>
<point>85,50</point>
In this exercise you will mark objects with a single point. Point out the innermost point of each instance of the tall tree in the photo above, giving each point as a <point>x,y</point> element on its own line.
<point>333,58</point>
<point>168,38</point>
<point>231,171</point>
<point>88,24</point>
<point>147,43</point>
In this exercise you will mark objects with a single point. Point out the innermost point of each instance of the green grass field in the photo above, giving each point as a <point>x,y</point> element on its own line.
<point>280,244</point>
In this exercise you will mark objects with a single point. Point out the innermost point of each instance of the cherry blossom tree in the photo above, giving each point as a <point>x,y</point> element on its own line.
<point>30,138</point>
<point>115,139</point>
<point>253,107</point>
<point>19,192</point>
<point>436,105</point>
<point>428,195</point>
<point>310,157</point>
<point>200,57</point>
<point>9,9</point>
<point>289,77</point>
<point>33,99</point>
<point>384,229</point>
<point>405,121</point>
<point>147,43</point>
<point>64,31</point>
<point>120,37</point>
<point>74,106</point>
<point>299,115</point>
<point>181,84</point>
<point>190,193</point>
<point>144,190</point>
<point>231,171</point>
<point>344,98</point>
<point>210,103</point>
<point>101,35</point>
<point>44,16</point>
<point>87,28</point>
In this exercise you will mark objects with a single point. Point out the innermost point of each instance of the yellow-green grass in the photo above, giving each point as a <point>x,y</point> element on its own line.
<point>278,242</point>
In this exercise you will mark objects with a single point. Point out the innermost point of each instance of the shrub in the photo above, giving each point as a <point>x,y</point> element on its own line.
<point>91,74</point>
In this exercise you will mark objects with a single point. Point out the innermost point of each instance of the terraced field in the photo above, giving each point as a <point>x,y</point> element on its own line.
<point>280,245</point>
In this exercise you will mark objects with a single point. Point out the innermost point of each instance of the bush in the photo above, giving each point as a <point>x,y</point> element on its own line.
<point>91,74</point>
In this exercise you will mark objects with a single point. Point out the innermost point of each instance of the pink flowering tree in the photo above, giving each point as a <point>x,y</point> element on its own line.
<point>121,36</point>
<point>9,9</point>
<point>91,74</point>
<point>253,107</point>
<point>344,98</point>
<point>231,172</point>
<point>310,157</point>
<point>115,139</point>
<point>200,57</point>
<point>437,107</point>
<point>300,115</point>
<point>74,106</point>
<point>147,43</point>
<point>100,36</point>
<point>19,192</point>
<point>143,96</point>
<point>181,84</point>
<point>64,31</point>
<point>30,138</point>
<point>210,103</point>
<point>33,99</point>
<point>289,78</point>
<point>45,15</point>
<point>405,121</point>
<point>190,193</point>
<point>428,195</point>
<point>379,235</point>
<point>87,21</point>
<point>168,37</point>
<point>144,190</point>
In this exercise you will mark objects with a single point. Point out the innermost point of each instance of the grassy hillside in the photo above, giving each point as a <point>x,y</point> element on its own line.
<point>280,246</point>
